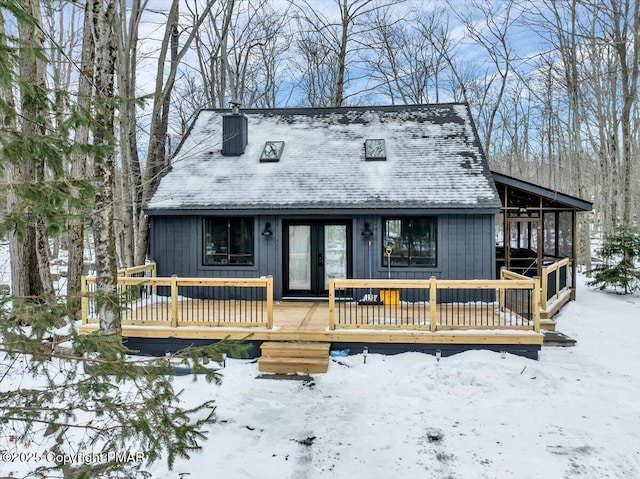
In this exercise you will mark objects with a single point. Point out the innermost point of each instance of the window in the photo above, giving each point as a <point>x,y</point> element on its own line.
<point>228,241</point>
<point>413,241</point>
<point>272,151</point>
<point>374,149</point>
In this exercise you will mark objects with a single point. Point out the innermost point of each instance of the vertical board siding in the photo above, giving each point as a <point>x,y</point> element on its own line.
<point>465,249</point>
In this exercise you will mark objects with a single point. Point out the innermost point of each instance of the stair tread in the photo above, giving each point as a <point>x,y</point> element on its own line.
<point>296,345</point>
<point>293,365</point>
<point>286,360</point>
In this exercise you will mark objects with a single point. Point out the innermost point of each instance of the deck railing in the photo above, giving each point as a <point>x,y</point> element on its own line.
<point>142,271</point>
<point>555,279</point>
<point>433,304</point>
<point>148,270</point>
<point>179,302</point>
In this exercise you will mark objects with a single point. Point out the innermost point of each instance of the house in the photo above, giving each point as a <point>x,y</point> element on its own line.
<point>305,195</point>
<point>376,229</point>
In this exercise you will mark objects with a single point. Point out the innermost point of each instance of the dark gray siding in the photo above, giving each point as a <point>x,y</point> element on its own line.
<point>465,249</point>
<point>176,245</point>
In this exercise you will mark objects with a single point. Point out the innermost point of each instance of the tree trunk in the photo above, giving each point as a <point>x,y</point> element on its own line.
<point>28,264</point>
<point>156,161</point>
<point>130,178</point>
<point>623,28</point>
<point>342,54</point>
<point>102,218</point>
<point>75,225</point>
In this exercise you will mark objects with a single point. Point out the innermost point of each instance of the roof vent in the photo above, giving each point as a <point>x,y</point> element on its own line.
<point>374,149</point>
<point>234,132</point>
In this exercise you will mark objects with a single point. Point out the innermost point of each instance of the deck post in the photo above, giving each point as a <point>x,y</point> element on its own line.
<point>84,300</point>
<point>536,304</point>
<point>269,293</point>
<point>433,306</point>
<point>332,304</point>
<point>545,286</point>
<point>174,301</point>
<point>501,291</point>
<point>154,273</point>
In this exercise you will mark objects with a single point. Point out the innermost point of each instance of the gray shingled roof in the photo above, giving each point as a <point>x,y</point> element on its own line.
<point>434,161</point>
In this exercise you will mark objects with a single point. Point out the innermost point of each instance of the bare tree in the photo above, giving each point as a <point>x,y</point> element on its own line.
<point>240,50</point>
<point>407,55</point>
<point>625,37</point>
<point>130,179</point>
<point>170,55</point>
<point>487,24</point>
<point>104,169</point>
<point>331,47</point>
<point>79,161</point>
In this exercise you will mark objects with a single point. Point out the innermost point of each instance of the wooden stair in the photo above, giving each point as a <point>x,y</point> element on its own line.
<point>291,357</point>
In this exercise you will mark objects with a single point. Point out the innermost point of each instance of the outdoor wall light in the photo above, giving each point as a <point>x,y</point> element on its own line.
<point>267,230</point>
<point>367,233</point>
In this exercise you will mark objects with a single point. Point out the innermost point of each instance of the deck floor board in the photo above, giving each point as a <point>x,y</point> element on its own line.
<point>309,321</point>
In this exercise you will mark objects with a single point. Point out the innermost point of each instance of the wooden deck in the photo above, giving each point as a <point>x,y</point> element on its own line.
<point>309,321</point>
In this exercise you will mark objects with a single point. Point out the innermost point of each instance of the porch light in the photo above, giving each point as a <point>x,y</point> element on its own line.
<point>367,233</point>
<point>267,230</point>
<point>365,352</point>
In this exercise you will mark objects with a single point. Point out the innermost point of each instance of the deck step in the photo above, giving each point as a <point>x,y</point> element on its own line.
<point>291,357</point>
<point>295,349</point>
<point>293,365</point>
<point>548,324</point>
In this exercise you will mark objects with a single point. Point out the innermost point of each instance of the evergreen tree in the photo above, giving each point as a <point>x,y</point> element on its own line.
<point>95,397</point>
<point>621,254</point>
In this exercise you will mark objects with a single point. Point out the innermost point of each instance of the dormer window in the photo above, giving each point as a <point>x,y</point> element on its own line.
<point>272,151</point>
<point>374,149</point>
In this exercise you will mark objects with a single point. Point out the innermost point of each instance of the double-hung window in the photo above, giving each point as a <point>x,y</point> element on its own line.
<point>413,241</point>
<point>227,241</point>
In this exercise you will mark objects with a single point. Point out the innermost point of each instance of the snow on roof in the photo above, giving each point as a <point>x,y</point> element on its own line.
<point>433,160</point>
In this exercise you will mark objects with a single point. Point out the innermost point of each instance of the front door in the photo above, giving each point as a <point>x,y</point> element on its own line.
<point>315,251</point>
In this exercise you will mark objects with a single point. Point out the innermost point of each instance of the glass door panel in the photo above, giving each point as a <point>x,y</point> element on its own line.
<point>299,257</point>
<point>313,252</point>
<point>335,253</point>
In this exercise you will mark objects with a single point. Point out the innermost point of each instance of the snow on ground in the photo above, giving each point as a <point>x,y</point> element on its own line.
<point>573,413</point>
<point>5,263</point>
